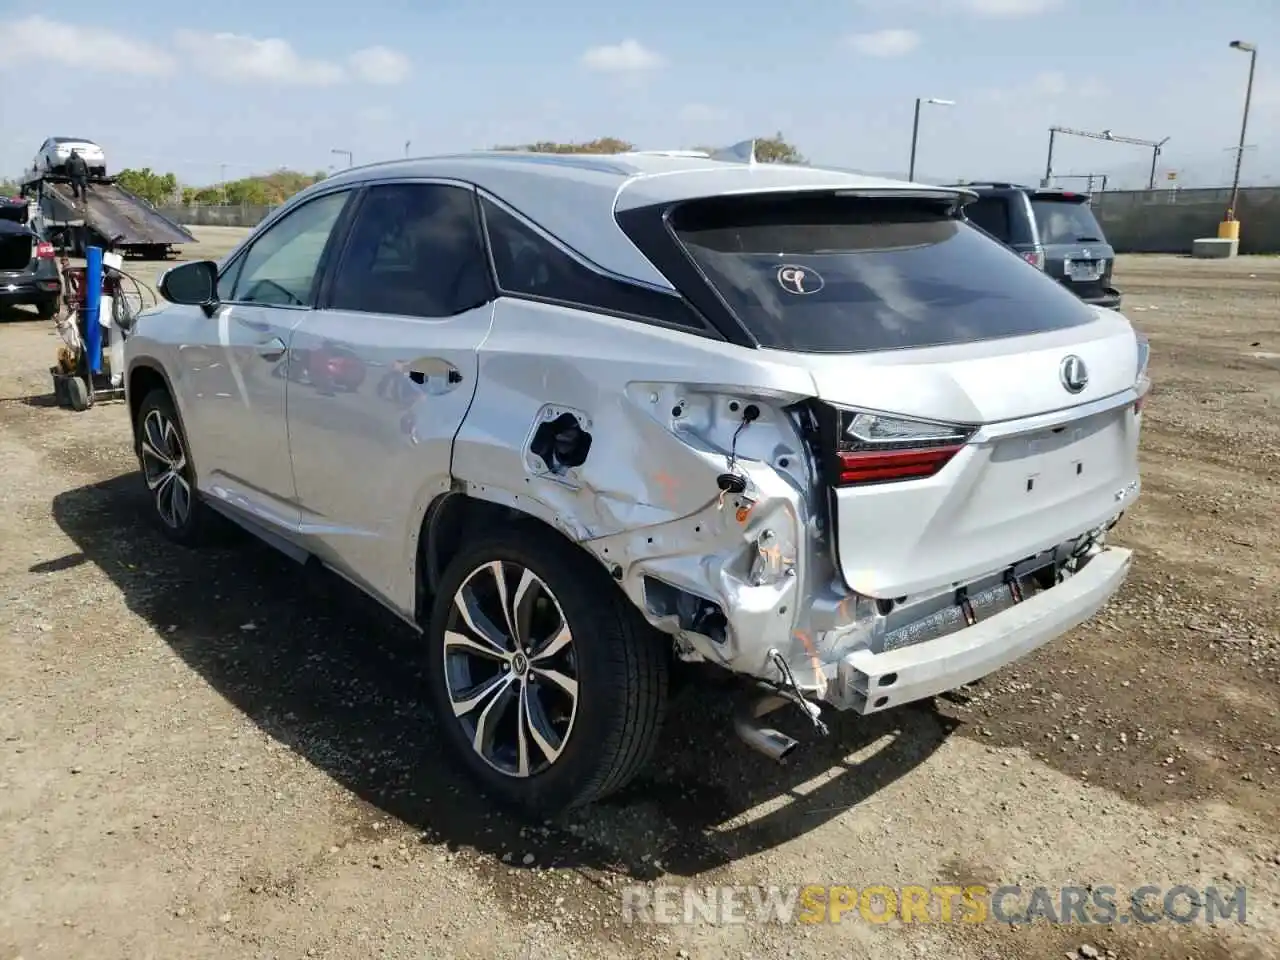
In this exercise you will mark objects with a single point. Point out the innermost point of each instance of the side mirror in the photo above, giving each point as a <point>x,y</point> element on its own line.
<point>193,284</point>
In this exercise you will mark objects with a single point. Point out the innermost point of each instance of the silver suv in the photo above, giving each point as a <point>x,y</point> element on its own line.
<point>579,418</point>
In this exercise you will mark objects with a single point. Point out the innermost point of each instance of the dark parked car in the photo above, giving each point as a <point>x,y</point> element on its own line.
<point>1052,229</point>
<point>28,269</point>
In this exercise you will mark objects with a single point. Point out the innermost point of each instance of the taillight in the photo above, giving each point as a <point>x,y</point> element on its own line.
<point>44,251</point>
<point>1141,380</point>
<point>874,448</point>
<point>1035,258</point>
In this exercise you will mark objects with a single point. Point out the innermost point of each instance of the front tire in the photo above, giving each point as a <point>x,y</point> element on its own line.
<point>165,460</point>
<point>548,685</point>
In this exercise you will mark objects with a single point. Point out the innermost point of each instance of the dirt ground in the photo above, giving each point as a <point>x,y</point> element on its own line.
<point>212,755</point>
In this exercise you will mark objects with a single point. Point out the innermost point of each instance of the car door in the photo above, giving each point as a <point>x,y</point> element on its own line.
<point>234,375</point>
<point>383,375</point>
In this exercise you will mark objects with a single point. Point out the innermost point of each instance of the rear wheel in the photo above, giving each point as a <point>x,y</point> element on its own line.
<point>47,309</point>
<point>549,687</point>
<point>166,466</point>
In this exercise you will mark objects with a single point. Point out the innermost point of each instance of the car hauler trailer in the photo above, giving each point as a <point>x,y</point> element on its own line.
<point>109,217</point>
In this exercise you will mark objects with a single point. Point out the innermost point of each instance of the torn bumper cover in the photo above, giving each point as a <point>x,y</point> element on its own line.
<point>867,682</point>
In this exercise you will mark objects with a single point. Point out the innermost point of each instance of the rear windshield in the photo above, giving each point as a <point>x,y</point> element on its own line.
<point>830,274</point>
<point>1066,221</point>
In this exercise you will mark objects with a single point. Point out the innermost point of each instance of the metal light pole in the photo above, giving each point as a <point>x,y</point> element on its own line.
<point>406,147</point>
<point>1252,50</point>
<point>344,153</point>
<point>915,129</point>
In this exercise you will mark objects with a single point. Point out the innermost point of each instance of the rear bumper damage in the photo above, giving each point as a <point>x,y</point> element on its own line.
<point>868,682</point>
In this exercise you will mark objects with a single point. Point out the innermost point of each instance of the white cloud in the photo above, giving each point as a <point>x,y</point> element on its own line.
<point>1049,85</point>
<point>884,43</point>
<point>232,56</point>
<point>629,56</point>
<point>235,57</point>
<point>380,65</point>
<point>992,9</point>
<point>1009,8</point>
<point>35,39</point>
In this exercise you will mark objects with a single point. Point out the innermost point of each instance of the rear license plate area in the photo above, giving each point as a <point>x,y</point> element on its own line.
<point>1084,271</point>
<point>1056,462</point>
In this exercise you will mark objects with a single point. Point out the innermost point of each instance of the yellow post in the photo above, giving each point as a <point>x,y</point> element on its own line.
<point>1229,230</point>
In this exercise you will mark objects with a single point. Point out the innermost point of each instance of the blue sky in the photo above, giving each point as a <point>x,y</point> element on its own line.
<point>252,85</point>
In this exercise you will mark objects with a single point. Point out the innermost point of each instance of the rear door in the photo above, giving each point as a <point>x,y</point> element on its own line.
<point>1076,252</point>
<point>384,374</point>
<point>974,412</point>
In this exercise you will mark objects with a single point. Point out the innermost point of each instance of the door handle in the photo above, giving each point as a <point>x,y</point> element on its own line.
<point>272,349</point>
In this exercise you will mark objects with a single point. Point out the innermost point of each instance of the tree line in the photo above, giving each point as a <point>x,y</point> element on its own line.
<point>273,188</point>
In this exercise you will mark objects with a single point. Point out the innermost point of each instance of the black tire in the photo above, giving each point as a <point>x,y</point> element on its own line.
<point>47,309</point>
<point>621,666</point>
<point>159,434</point>
<point>77,394</point>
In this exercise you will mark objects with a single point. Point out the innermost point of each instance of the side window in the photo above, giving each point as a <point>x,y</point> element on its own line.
<point>527,264</point>
<point>227,281</point>
<point>416,250</point>
<point>281,266</point>
<point>992,215</point>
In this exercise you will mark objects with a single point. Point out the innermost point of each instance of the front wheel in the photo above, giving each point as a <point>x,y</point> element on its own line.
<point>163,455</point>
<point>549,687</point>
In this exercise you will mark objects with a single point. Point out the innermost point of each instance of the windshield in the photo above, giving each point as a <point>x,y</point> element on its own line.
<point>1066,221</point>
<point>824,273</point>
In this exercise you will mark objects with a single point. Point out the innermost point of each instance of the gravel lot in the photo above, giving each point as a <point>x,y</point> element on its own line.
<point>213,755</point>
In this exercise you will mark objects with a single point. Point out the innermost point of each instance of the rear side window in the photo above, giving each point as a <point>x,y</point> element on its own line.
<point>1066,221</point>
<point>831,274</point>
<point>992,215</point>
<point>528,264</point>
<point>415,249</point>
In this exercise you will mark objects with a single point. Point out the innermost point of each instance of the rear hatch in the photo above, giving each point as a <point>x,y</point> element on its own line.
<point>17,246</point>
<point>971,412</point>
<point>1076,252</point>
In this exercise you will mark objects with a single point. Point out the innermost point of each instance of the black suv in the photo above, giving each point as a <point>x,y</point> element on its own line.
<point>1052,229</point>
<point>28,271</point>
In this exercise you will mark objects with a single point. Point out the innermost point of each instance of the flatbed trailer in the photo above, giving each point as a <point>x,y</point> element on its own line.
<point>111,217</point>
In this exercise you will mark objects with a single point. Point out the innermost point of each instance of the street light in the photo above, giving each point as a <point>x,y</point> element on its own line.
<point>915,129</point>
<point>343,153</point>
<point>406,147</point>
<point>1252,50</point>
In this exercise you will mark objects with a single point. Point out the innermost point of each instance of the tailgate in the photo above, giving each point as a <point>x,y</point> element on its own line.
<point>1041,466</point>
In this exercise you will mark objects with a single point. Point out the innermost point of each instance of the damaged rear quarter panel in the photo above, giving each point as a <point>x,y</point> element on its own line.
<point>661,408</point>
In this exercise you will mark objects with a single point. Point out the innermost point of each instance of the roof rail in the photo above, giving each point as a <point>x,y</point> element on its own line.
<point>742,152</point>
<point>670,153</point>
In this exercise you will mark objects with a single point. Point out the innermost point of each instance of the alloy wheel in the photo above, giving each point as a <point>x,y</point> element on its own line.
<point>164,465</point>
<point>510,668</point>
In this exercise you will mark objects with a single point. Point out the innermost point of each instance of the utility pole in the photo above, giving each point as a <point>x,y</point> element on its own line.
<point>406,147</point>
<point>1252,50</point>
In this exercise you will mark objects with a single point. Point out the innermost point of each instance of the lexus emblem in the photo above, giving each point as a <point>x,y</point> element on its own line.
<point>1073,374</point>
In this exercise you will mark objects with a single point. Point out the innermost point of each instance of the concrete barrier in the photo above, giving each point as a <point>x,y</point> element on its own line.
<point>1166,221</point>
